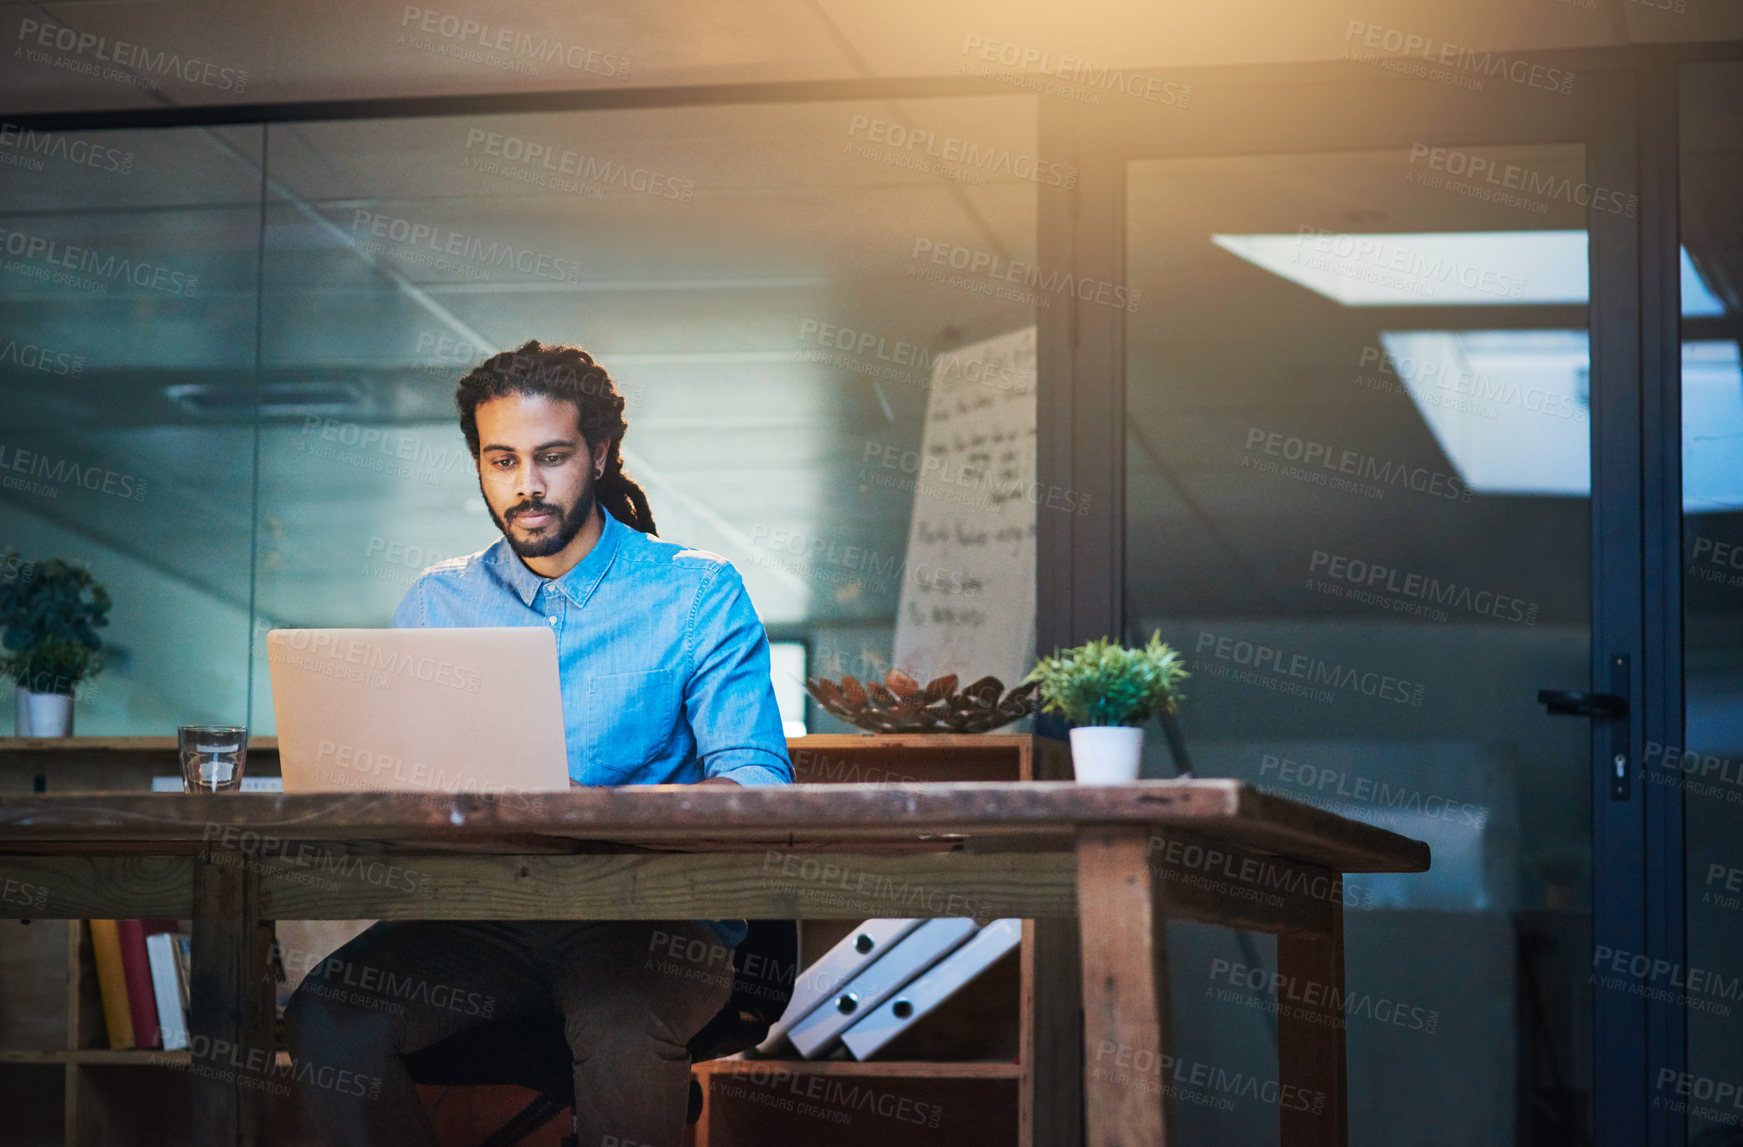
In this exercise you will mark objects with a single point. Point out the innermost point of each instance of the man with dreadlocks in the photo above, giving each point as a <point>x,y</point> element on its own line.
<point>665,680</point>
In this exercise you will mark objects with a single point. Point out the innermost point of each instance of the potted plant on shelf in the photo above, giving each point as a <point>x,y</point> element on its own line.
<point>1107,692</point>
<point>51,611</point>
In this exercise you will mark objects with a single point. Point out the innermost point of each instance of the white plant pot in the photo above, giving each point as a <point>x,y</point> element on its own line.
<point>1106,754</point>
<point>44,714</point>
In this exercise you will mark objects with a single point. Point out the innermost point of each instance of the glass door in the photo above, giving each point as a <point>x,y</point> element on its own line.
<point>1705,766</point>
<point>1359,425</point>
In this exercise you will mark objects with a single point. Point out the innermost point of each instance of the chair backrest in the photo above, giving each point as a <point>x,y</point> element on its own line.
<point>530,1049</point>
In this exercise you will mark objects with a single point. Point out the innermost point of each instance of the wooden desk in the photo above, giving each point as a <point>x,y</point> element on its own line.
<point>1121,859</point>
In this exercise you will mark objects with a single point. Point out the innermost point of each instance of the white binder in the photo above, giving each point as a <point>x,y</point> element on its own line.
<point>847,959</point>
<point>933,988</point>
<point>166,989</point>
<point>923,947</point>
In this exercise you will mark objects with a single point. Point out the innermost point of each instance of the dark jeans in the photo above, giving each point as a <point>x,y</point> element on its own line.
<point>404,985</point>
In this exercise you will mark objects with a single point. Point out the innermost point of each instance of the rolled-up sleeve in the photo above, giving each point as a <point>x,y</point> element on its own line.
<point>729,699</point>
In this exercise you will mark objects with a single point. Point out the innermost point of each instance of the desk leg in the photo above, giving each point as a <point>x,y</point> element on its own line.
<point>231,1013</point>
<point>1310,1056</point>
<point>1125,987</point>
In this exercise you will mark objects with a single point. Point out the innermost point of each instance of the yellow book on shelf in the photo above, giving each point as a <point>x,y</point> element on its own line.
<point>112,982</point>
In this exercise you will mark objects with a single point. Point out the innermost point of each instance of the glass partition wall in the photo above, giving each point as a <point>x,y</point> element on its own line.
<point>1707,766</point>
<point>771,286</point>
<point>1359,424</point>
<point>130,295</point>
<point>1358,502</point>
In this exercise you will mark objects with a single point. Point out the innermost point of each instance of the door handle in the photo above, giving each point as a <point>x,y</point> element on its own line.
<point>1562,703</point>
<point>1611,707</point>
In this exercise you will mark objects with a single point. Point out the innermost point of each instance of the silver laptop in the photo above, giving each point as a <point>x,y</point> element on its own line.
<point>429,710</point>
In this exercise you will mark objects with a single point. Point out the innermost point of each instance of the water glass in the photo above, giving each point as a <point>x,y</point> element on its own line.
<point>212,757</point>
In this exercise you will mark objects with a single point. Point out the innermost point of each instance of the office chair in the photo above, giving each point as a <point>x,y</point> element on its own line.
<point>530,1049</point>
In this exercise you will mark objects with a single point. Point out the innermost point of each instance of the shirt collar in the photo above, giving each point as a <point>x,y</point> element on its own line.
<point>579,582</point>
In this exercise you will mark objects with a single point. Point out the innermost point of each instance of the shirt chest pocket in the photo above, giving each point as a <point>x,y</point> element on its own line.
<point>629,718</point>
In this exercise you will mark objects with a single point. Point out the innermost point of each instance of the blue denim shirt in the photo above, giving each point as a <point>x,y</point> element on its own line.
<point>663,662</point>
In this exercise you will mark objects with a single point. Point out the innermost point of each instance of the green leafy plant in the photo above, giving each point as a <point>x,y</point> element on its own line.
<point>51,612</point>
<point>1104,683</point>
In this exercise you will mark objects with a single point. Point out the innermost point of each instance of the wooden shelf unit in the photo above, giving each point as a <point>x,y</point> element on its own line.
<point>970,1067</point>
<point>107,764</point>
<point>966,1074</point>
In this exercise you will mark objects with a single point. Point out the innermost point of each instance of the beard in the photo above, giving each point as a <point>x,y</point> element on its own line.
<point>553,537</point>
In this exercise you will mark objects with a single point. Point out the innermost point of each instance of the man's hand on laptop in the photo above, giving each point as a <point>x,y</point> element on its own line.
<point>575,784</point>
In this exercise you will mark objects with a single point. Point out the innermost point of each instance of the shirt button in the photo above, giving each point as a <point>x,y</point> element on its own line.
<point>552,620</point>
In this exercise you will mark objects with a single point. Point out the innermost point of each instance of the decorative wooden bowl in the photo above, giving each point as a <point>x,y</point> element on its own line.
<point>902,705</point>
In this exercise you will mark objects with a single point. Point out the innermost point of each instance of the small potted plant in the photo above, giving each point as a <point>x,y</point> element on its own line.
<point>1107,692</point>
<point>51,611</point>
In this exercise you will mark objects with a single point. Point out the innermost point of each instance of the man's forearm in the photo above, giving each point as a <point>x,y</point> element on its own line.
<point>575,784</point>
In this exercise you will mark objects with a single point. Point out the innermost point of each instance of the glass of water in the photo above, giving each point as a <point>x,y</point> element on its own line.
<point>212,757</point>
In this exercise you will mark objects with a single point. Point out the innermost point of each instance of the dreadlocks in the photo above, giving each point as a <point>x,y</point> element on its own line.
<point>568,373</point>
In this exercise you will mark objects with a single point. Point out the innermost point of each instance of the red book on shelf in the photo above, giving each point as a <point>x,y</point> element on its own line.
<point>136,967</point>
